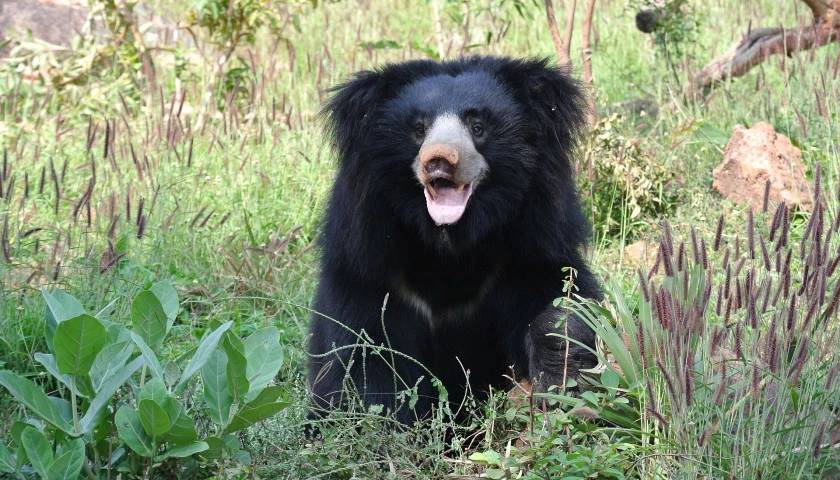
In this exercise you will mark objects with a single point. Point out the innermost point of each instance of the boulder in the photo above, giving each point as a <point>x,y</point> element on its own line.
<point>59,21</point>
<point>758,154</point>
<point>54,21</point>
<point>641,254</point>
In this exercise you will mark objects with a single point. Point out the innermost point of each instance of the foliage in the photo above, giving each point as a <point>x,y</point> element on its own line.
<point>673,23</point>
<point>229,24</point>
<point>109,418</point>
<point>622,181</point>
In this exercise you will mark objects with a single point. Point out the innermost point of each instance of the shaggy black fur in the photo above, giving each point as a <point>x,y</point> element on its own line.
<point>478,293</point>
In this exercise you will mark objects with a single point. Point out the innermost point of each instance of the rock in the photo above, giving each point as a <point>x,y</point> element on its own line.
<point>520,394</point>
<point>53,21</point>
<point>59,21</point>
<point>641,253</point>
<point>758,154</point>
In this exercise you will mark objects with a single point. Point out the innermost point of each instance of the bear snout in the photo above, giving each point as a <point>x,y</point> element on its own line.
<point>439,159</point>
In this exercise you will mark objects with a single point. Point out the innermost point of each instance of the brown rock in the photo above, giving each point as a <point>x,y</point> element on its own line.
<point>641,253</point>
<point>520,393</point>
<point>53,21</point>
<point>758,154</point>
<point>59,21</point>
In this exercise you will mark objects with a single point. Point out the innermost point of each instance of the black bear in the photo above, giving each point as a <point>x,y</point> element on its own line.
<point>454,197</point>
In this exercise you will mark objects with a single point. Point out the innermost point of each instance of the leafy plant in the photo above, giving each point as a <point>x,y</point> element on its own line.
<point>229,24</point>
<point>128,410</point>
<point>673,23</point>
<point>623,182</point>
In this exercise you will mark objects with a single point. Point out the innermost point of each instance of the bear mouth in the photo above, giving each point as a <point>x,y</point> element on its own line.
<point>446,199</point>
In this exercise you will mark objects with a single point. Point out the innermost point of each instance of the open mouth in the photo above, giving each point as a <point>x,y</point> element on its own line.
<point>446,199</point>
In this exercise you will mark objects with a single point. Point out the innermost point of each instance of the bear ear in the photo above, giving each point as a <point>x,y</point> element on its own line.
<point>351,103</point>
<point>555,100</point>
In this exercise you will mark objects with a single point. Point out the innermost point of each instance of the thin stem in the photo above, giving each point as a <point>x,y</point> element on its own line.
<point>74,409</point>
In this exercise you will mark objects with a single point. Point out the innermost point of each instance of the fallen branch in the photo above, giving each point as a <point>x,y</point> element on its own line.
<point>758,45</point>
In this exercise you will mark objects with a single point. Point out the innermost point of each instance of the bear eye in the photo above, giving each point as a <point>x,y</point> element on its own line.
<point>477,129</point>
<point>420,130</point>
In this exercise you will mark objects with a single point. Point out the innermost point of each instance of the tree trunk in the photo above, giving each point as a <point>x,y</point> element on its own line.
<point>561,48</point>
<point>587,60</point>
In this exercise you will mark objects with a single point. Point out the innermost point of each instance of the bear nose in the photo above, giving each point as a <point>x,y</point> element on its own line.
<point>439,166</point>
<point>439,159</point>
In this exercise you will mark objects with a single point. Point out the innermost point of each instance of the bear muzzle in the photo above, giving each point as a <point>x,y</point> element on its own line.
<point>449,167</point>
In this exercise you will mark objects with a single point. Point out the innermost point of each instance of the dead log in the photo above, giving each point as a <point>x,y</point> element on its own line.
<point>759,44</point>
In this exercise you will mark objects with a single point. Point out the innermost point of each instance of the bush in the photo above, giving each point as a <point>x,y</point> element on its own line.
<point>122,409</point>
<point>622,183</point>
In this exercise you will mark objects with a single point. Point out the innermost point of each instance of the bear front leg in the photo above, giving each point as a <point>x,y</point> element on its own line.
<point>548,361</point>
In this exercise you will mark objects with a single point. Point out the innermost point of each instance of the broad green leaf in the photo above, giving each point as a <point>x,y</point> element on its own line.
<point>110,359</point>
<point>130,431</point>
<point>68,462</point>
<point>155,392</point>
<point>16,432</point>
<point>76,343</point>
<point>216,448</point>
<point>242,456</point>
<point>148,355</point>
<point>183,451</point>
<point>202,354</point>
<point>182,431</point>
<point>148,318</point>
<point>264,357</point>
<point>38,450</point>
<point>217,396</point>
<point>168,298</point>
<point>88,422</point>
<point>219,446</point>
<point>61,306</point>
<point>63,408</point>
<point>48,361</point>
<point>7,460</point>
<point>154,418</point>
<point>262,407</point>
<point>117,332</point>
<point>171,372</point>
<point>236,366</point>
<point>31,396</point>
<point>490,457</point>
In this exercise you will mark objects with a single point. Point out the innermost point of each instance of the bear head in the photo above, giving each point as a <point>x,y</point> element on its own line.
<point>456,152</point>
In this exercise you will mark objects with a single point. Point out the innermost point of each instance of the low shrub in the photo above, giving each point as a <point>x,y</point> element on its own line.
<point>118,407</point>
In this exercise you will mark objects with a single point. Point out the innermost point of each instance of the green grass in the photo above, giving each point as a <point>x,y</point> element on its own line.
<point>266,169</point>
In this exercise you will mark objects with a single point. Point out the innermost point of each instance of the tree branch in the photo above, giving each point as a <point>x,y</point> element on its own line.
<point>758,45</point>
<point>819,7</point>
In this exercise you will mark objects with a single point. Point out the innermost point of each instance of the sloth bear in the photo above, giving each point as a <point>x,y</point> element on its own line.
<point>452,217</point>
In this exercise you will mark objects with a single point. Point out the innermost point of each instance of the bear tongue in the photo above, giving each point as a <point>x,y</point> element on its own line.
<point>446,205</point>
